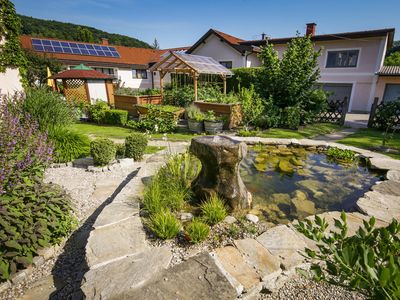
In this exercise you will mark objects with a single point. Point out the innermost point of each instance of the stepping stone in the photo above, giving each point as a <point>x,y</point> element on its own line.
<point>393,175</point>
<point>115,241</point>
<point>284,243</point>
<point>115,213</point>
<point>385,163</point>
<point>197,278</point>
<point>119,277</point>
<point>382,207</point>
<point>256,256</point>
<point>387,187</point>
<point>232,262</point>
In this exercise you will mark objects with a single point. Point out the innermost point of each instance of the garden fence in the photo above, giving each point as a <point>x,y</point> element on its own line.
<point>384,115</point>
<point>336,112</point>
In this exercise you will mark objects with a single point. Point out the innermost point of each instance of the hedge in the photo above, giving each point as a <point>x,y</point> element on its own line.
<point>244,77</point>
<point>115,117</point>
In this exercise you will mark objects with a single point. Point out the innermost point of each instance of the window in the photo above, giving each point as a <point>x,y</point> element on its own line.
<point>342,59</point>
<point>226,64</point>
<point>107,71</point>
<point>392,92</point>
<point>140,74</point>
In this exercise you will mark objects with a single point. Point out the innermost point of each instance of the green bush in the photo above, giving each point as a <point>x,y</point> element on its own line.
<point>97,111</point>
<point>120,150</point>
<point>213,210</point>
<point>115,117</point>
<point>164,225</point>
<point>159,118</point>
<point>32,216</point>
<point>197,231</point>
<point>194,113</point>
<point>252,105</point>
<point>48,109</point>
<point>135,145</point>
<point>103,151</point>
<point>368,261</point>
<point>242,78</point>
<point>137,92</point>
<point>68,144</point>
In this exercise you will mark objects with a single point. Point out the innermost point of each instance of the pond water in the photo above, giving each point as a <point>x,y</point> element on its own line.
<point>291,182</point>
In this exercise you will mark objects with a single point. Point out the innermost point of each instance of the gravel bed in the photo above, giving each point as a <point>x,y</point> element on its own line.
<point>299,287</point>
<point>69,265</point>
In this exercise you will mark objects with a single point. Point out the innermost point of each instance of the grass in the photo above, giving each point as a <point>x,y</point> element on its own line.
<point>153,149</point>
<point>120,133</point>
<point>371,139</point>
<point>308,131</point>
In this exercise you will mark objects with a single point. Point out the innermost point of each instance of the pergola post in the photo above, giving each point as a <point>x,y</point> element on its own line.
<point>162,74</point>
<point>224,79</point>
<point>195,77</point>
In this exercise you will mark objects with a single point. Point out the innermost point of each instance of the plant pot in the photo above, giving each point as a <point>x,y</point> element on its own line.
<point>213,127</point>
<point>196,126</point>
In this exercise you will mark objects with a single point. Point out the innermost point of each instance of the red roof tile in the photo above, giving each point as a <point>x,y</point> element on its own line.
<point>230,38</point>
<point>80,74</point>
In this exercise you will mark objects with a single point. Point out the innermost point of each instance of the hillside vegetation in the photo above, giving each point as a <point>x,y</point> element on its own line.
<point>68,31</point>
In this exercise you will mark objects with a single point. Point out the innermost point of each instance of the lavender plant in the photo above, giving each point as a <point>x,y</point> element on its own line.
<point>24,150</point>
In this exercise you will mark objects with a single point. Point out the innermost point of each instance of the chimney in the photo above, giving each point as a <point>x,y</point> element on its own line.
<point>263,36</point>
<point>104,41</point>
<point>311,29</point>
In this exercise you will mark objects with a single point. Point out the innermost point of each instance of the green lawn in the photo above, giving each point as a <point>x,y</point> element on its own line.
<point>153,149</point>
<point>371,139</point>
<point>308,131</point>
<point>116,132</point>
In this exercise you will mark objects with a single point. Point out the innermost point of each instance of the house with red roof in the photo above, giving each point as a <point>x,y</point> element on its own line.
<point>351,63</point>
<point>129,65</point>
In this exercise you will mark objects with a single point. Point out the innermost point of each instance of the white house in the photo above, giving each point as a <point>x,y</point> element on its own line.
<point>349,64</point>
<point>10,80</point>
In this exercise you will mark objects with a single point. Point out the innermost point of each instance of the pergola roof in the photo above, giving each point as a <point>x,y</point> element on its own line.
<point>189,63</point>
<point>80,74</point>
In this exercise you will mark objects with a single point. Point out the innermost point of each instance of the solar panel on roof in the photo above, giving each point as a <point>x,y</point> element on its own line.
<point>73,48</point>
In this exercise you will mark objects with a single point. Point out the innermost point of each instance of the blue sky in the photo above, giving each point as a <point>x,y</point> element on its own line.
<point>181,22</point>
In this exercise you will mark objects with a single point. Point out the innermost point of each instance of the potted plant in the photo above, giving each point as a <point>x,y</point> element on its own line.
<point>195,119</point>
<point>212,124</point>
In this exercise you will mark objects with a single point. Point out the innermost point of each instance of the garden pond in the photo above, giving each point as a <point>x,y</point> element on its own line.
<point>293,182</point>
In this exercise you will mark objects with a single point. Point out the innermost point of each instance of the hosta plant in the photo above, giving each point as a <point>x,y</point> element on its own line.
<point>368,262</point>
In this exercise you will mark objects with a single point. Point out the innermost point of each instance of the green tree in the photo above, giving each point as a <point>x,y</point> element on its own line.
<point>393,59</point>
<point>37,68</point>
<point>288,83</point>
<point>155,44</point>
<point>85,35</point>
<point>11,54</point>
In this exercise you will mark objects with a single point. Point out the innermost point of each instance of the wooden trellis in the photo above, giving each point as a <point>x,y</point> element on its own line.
<point>382,112</point>
<point>336,112</point>
<point>75,89</point>
<point>194,65</point>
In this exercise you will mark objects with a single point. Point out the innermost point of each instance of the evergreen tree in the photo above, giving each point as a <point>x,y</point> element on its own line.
<point>155,44</point>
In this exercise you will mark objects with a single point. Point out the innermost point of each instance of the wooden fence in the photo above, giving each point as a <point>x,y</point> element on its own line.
<point>384,114</point>
<point>336,112</point>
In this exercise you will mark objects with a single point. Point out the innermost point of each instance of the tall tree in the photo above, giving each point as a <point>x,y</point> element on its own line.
<point>155,44</point>
<point>11,54</point>
<point>85,35</point>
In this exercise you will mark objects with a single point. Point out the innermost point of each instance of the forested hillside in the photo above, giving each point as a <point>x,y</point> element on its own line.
<point>68,31</point>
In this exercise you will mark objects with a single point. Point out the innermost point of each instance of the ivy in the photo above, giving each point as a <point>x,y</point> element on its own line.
<point>11,54</point>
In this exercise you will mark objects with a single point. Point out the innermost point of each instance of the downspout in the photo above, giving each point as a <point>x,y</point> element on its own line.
<point>246,54</point>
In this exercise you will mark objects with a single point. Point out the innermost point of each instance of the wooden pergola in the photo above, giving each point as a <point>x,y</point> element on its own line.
<point>194,65</point>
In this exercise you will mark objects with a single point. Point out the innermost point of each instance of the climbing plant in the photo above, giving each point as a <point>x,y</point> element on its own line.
<point>11,54</point>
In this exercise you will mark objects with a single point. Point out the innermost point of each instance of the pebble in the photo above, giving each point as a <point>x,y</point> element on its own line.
<point>230,220</point>
<point>252,218</point>
<point>185,216</point>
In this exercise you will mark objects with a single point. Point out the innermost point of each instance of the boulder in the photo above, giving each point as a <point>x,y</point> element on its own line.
<point>285,167</point>
<point>393,175</point>
<point>220,157</point>
<point>280,198</point>
<point>230,220</point>
<point>252,218</point>
<point>302,207</point>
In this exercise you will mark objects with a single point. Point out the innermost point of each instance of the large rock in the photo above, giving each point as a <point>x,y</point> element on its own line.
<point>124,275</point>
<point>387,187</point>
<point>381,206</point>
<point>385,163</point>
<point>197,278</point>
<point>393,175</point>
<point>301,206</point>
<point>220,158</point>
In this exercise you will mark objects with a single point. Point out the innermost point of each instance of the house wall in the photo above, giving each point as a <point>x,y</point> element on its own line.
<point>97,90</point>
<point>381,84</point>
<point>10,81</point>
<point>220,51</point>
<point>253,61</point>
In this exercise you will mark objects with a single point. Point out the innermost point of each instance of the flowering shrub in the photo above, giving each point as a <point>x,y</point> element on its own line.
<point>24,150</point>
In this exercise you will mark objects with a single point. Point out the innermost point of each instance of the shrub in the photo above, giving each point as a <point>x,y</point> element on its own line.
<point>164,225</point>
<point>252,106</point>
<point>341,155</point>
<point>367,261</point>
<point>103,151</point>
<point>115,117</point>
<point>242,78</point>
<point>136,92</point>
<point>135,145</point>
<point>97,111</point>
<point>197,231</point>
<point>69,145</point>
<point>194,113</point>
<point>158,119</point>
<point>25,151</point>
<point>32,216</point>
<point>48,109</point>
<point>120,150</point>
<point>213,210</point>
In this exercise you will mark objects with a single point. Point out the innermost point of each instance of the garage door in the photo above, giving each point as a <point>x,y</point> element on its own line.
<point>338,90</point>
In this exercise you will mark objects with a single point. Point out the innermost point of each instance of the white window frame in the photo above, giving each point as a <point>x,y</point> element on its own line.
<point>134,74</point>
<point>327,50</point>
